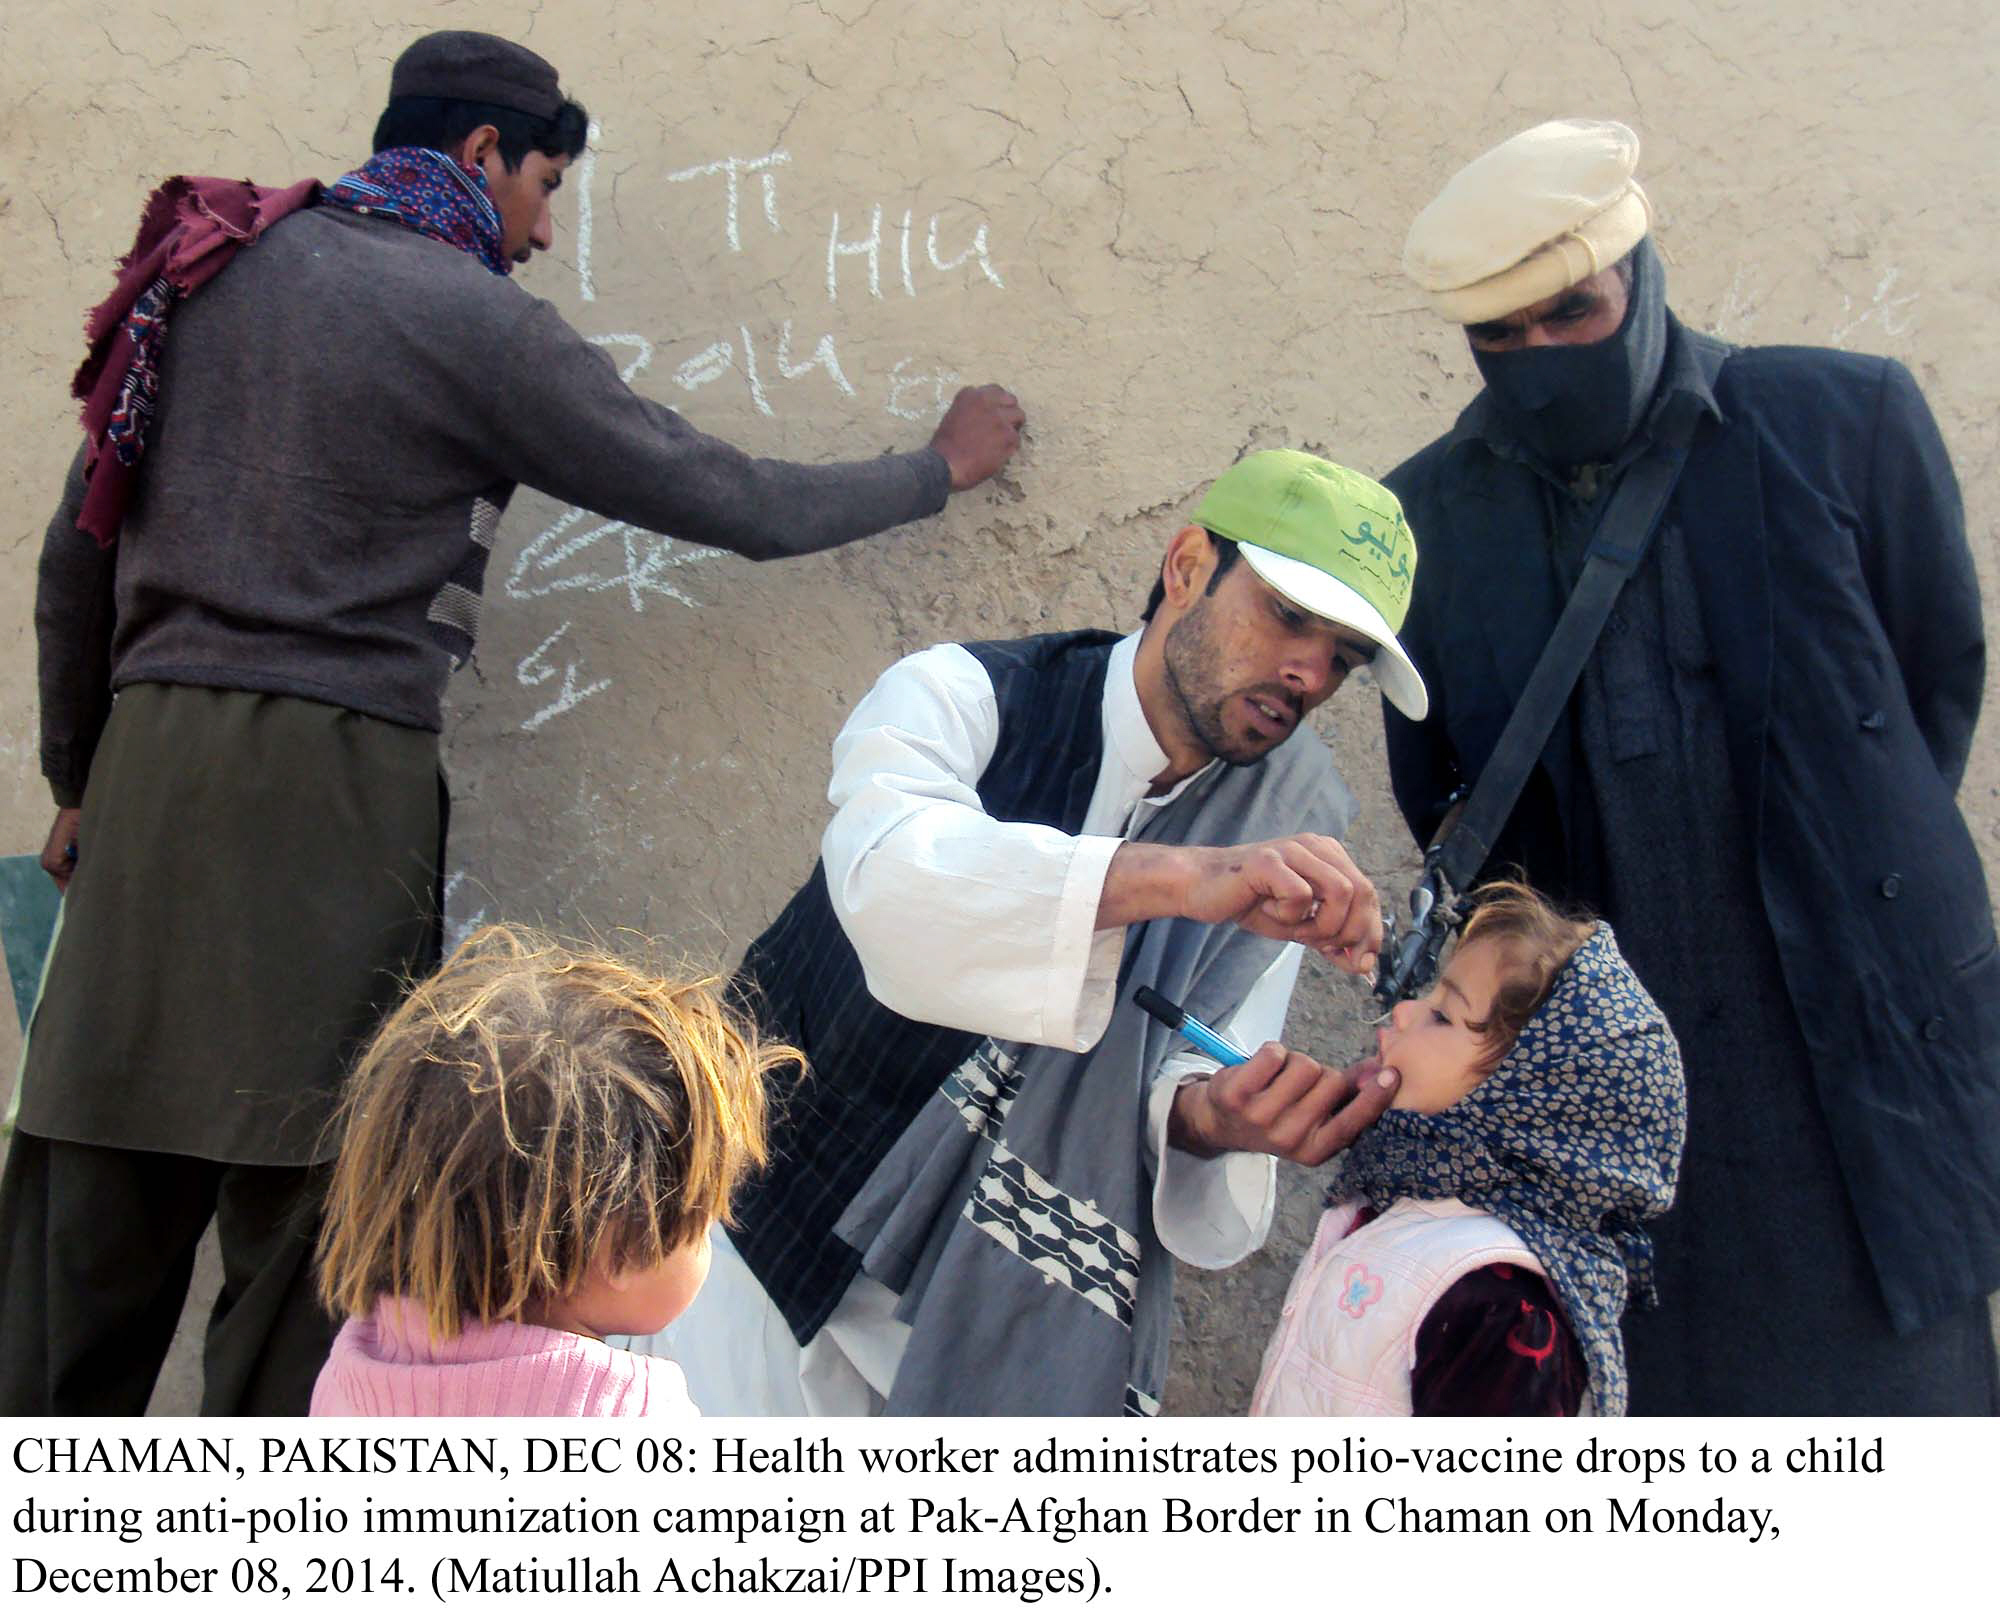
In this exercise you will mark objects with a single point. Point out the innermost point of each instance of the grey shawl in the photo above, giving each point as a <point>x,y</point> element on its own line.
<point>1014,1214</point>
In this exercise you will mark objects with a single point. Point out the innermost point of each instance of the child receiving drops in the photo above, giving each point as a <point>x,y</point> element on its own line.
<point>1482,1241</point>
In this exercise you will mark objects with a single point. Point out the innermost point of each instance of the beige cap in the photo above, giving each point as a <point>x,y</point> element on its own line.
<point>1533,216</point>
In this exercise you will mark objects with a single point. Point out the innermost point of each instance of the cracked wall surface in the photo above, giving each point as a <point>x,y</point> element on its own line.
<point>1174,228</point>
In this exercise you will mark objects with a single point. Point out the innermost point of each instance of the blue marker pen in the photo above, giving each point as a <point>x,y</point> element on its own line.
<point>1175,1018</point>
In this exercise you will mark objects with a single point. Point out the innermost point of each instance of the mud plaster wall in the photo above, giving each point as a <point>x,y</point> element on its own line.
<point>1174,228</point>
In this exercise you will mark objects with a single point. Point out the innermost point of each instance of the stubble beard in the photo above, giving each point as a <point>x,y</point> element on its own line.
<point>1189,656</point>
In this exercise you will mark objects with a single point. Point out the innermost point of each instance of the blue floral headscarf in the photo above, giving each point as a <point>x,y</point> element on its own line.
<point>1574,1141</point>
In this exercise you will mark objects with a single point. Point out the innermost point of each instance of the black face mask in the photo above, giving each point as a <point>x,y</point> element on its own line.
<point>1579,405</point>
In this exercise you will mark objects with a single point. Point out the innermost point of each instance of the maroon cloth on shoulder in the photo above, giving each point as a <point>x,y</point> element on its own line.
<point>1496,1345</point>
<point>190,229</point>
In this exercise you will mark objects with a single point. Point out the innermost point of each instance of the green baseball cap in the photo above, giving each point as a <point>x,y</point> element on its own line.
<point>1333,543</point>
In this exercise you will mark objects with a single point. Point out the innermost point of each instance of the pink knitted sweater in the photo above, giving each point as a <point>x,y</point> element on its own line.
<point>388,1366</point>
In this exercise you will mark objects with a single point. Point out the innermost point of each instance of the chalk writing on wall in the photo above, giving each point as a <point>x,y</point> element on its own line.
<point>1884,310</point>
<point>777,363</point>
<point>456,930</point>
<point>731,168</point>
<point>719,359</point>
<point>869,246</point>
<point>639,559</point>
<point>586,217</point>
<point>534,670</point>
<point>914,384</point>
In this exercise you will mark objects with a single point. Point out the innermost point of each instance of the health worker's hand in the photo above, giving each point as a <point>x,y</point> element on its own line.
<point>1281,1103</point>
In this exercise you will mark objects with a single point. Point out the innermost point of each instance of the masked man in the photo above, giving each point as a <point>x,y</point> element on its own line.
<point>1753,779</point>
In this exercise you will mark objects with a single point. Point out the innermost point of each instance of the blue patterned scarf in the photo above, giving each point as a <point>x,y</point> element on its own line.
<point>1574,1142</point>
<point>434,194</point>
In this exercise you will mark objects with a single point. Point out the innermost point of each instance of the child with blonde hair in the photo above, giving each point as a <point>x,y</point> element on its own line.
<point>1482,1241</point>
<point>535,1146</point>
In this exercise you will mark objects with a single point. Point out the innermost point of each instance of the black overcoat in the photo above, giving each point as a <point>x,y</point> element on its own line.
<point>1823,524</point>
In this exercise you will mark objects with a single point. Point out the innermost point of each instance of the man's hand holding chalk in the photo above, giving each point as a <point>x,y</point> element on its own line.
<point>1281,1103</point>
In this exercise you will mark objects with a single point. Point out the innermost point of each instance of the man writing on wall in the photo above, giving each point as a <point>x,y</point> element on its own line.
<point>293,497</point>
<point>1753,779</point>
<point>973,1196</point>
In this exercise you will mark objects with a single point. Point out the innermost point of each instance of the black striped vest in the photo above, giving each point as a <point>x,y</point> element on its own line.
<point>872,1069</point>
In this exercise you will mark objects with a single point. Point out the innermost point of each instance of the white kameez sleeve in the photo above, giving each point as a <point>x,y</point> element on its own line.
<point>1212,1213</point>
<point>960,919</point>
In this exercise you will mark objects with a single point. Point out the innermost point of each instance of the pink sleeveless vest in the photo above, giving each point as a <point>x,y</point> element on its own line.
<point>1346,1342</point>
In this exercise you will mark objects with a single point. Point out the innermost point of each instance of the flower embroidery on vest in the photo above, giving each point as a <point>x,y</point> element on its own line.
<point>1360,1290</point>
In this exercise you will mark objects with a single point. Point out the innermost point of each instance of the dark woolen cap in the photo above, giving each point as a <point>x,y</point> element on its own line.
<point>459,65</point>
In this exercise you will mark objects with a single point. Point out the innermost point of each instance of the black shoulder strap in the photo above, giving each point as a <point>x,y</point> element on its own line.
<point>1454,863</point>
<point>1615,552</point>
